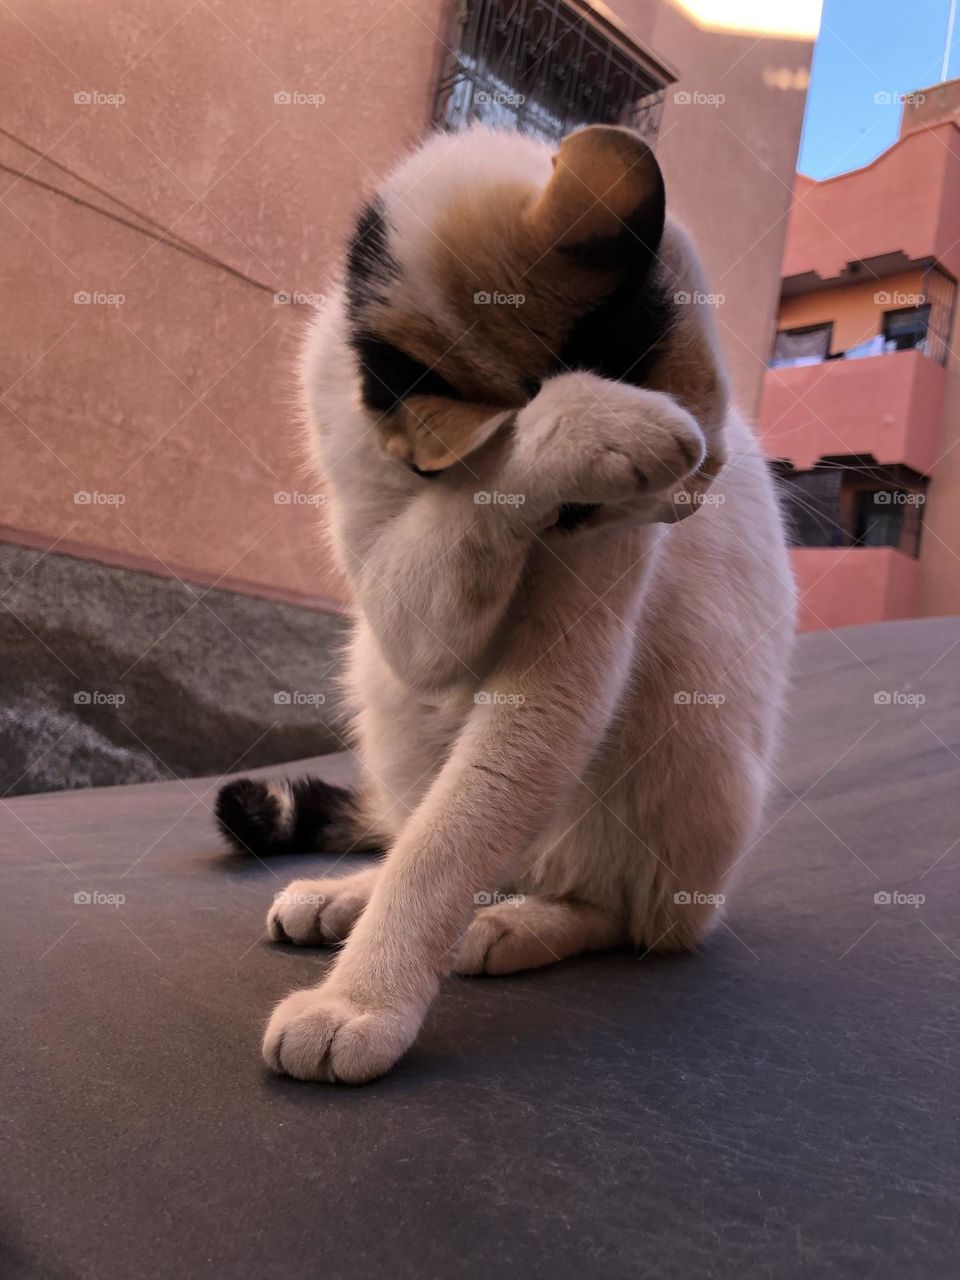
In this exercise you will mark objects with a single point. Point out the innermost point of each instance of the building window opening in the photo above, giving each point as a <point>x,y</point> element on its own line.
<point>546,68</point>
<point>807,345</point>
<point>906,329</point>
<point>852,502</point>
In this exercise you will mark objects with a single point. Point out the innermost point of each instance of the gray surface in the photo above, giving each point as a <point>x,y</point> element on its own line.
<point>782,1105</point>
<point>198,670</point>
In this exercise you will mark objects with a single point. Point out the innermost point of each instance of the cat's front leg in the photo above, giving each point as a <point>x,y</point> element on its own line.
<point>511,767</point>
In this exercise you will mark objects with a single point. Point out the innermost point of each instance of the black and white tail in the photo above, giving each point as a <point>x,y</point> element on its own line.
<point>291,815</point>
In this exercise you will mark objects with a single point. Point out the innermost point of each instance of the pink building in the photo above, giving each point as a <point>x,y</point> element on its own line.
<point>861,401</point>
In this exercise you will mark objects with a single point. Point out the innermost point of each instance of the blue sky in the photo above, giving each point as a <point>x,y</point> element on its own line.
<point>869,48</point>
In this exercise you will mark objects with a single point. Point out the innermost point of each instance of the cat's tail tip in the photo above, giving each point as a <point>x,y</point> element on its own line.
<point>253,814</point>
<point>263,816</point>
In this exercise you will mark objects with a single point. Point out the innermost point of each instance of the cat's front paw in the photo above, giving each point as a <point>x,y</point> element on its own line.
<point>318,913</point>
<point>321,1034</point>
<point>590,440</point>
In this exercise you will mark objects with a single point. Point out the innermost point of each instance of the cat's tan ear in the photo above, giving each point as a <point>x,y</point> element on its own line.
<point>605,180</point>
<point>434,433</point>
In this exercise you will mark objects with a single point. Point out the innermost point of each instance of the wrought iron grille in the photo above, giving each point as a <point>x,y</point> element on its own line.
<point>545,67</point>
<point>847,501</point>
<point>941,296</point>
<point>811,505</point>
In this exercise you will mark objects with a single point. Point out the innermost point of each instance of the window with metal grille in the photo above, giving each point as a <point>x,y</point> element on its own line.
<point>811,505</point>
<point>546,67</point>
<point>940,294</point>
<point>853,502</point>
<point>888,518</point>
<point>907,328</point>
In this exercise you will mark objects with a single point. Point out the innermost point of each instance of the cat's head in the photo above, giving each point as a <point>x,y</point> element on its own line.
<point>489,261</point>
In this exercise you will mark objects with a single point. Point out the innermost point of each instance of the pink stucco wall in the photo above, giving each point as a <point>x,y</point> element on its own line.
<point>180,398</point>
<point>908,199</point>
<point>844,586</point>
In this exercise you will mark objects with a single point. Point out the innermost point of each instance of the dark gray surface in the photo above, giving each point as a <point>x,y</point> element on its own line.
<point>782,1105</point>
<point>198,669</point>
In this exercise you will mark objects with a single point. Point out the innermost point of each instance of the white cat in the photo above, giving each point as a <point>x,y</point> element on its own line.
<point>566,695</point>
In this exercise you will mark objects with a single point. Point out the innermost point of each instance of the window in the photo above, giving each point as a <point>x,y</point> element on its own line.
<point>546,67</point>
<point>907,328</point>
<point>808,345</point>
<point>888,518</point>
<point>811,505</point>
<point>852,502</point>
<point>940,293</point>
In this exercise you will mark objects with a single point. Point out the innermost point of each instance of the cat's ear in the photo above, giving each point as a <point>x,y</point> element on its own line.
<point>433,433</point>
<point>606,183</point>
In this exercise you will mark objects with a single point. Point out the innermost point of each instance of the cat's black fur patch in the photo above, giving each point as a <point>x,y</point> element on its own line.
<point>621,338</point>
<point>371,267</point>
<point>325,818</point>
<point>388,374</point>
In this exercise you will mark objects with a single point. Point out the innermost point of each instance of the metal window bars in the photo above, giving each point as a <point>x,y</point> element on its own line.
<point>940,295</point>
<point>546,67</point>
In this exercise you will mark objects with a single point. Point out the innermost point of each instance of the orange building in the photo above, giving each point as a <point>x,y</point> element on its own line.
<point>861,401</point>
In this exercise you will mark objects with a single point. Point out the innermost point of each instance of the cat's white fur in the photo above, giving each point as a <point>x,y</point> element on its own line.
<point>574,728</point>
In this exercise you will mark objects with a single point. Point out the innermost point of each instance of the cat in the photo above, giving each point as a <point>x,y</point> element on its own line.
<point>574,607</point>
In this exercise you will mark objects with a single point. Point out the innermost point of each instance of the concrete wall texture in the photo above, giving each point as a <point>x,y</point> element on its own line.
<point>155,196</point>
